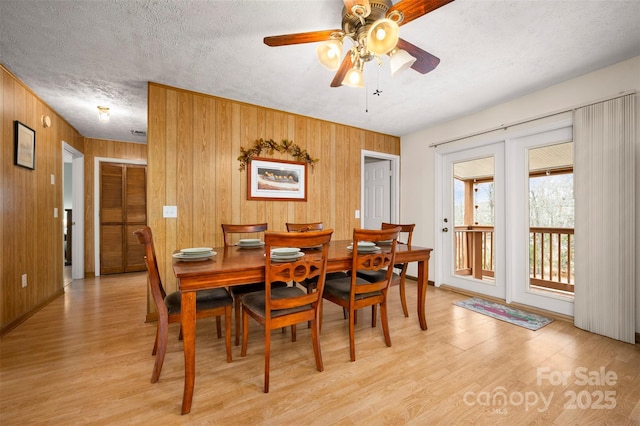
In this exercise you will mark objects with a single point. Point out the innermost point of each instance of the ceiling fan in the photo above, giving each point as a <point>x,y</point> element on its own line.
<point>372,26</point>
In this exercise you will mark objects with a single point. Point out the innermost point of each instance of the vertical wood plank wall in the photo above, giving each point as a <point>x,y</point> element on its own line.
<point>30,236</point>
<point>193,142</point>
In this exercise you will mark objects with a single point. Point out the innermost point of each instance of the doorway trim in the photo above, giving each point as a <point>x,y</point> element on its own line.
<point>395,182</point>
<point>77,201</point>
<point>96,202</point>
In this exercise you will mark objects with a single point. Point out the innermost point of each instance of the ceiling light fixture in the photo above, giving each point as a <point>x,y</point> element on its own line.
<point>373,34</point>
<point>329,54</point>
<point>103,114</point>
<point>400,61</point>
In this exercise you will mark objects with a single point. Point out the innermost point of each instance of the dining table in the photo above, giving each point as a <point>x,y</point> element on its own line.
<point>235,265</point>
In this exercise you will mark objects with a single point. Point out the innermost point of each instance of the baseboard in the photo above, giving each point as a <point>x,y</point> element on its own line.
<point>550,314</point>
<point>22,318</point>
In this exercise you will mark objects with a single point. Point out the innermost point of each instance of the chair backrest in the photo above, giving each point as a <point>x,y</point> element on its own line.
<point>373,261</point>
<point>304,227</point>
<point>157,290</point>
<point>252,228</point>
<point>406,232</point>
<point>312,264</point>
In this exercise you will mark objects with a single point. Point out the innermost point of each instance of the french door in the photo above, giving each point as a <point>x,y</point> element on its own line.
<point>492,237</point>
<point>541,241</point>
<point>472,226</point>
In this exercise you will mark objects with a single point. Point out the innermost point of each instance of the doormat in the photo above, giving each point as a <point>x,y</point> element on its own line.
<point>504,313</point>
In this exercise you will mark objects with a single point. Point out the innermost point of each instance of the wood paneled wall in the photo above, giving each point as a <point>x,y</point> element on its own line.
<point>193,144</point>
<point>30,235</point>
<point>106,149</point>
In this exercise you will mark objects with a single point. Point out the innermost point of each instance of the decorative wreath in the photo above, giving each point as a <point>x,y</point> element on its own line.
<point>285,146</point>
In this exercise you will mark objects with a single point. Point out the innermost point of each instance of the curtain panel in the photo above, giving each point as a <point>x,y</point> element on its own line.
<point>604,173</point>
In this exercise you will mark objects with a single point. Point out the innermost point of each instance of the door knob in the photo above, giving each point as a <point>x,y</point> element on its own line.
<point>445,229</point>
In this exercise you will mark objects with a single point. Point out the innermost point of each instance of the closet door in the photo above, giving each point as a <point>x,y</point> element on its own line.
<point>122,211</point>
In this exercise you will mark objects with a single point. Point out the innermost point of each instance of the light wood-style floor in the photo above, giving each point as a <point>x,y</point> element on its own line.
<point>86,359</point>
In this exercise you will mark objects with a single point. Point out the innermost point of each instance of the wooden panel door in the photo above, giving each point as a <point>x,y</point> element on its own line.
<point>122,210</point>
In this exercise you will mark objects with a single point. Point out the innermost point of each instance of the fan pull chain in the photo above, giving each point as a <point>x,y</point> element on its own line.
<point>366,97</point>
<point>378,91</point>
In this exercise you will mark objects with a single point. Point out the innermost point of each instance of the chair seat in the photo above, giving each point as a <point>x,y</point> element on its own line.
<point>373,276</point>
<point>205,299</point>
<point>330,276</point>
<point>239,290</point>
<point>256,301</point>
<point>341,288</point>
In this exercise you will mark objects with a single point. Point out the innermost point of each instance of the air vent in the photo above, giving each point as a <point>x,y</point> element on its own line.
<point>138,133</point>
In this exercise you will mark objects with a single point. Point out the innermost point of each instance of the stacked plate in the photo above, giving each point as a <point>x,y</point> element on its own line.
<point>195,254</point>
<point>365,247</point>
<point>286,254</point>
<point>250,243</point>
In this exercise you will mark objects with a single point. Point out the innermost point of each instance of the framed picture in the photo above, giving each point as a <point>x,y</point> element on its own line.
<point>281,180</point>
<point>24,146</point>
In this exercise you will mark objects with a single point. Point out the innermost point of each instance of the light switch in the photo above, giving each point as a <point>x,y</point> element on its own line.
<point>55,212</point>
<point>53,179</point>
<point>357,214</point>
<point>169,211</point>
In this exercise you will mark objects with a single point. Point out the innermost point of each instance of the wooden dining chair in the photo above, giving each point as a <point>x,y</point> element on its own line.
<point>353,292</point>
<point>279,307</point>
<point>310,283</point>
<point>209,303</point>
<point>304,227</point>
<point>231,233</point>
<point>404,237</point>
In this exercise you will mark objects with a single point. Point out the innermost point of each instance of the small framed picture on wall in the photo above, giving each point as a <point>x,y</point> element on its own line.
<point>24,146</point>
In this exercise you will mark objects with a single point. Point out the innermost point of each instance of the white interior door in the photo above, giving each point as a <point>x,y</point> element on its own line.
<point>377,193</point>
<point>484,161</point>
<point>77,242</point>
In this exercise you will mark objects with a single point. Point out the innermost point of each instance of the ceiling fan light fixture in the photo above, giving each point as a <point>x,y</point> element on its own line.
<point>400,61</point>
<point>103,114</point>
<point>354,78</point>
<point>382,37</point>
<point>329,54</point>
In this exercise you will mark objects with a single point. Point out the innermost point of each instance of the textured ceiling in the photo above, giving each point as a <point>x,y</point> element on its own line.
<point>79,54</point>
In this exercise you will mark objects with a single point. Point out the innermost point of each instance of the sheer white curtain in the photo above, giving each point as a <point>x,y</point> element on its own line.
<point>604,184</point>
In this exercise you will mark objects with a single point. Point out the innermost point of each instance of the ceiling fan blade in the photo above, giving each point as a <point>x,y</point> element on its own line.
<point>425,61</point>
<point>345,66</point>
<point>299,38</point>
<point>413,9</point>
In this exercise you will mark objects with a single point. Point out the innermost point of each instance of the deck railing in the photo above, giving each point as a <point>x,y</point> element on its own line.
<point>551,255</point>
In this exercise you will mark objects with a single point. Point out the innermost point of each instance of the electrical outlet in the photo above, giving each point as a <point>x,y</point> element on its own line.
<point>24,280</point>
<point>169,211</point>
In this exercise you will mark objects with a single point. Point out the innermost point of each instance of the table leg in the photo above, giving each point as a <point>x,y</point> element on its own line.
<point>423,279</point>
<point>189,345</point>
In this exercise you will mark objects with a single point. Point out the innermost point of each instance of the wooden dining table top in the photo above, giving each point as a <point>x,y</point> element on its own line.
<point>233,265</point>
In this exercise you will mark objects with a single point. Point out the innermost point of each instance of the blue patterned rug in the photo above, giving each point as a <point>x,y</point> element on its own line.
<point>504,313</point>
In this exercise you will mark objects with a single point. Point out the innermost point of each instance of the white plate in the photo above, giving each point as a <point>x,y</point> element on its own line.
<point>367,249</point>
<point>284,251</point>
<point>385,242</point>
<point>196,250</point>
<point>193,258</point>
<point>366,244</point>
<point>249,242</point>
<point>296,256</point>
<point>251,246</point>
